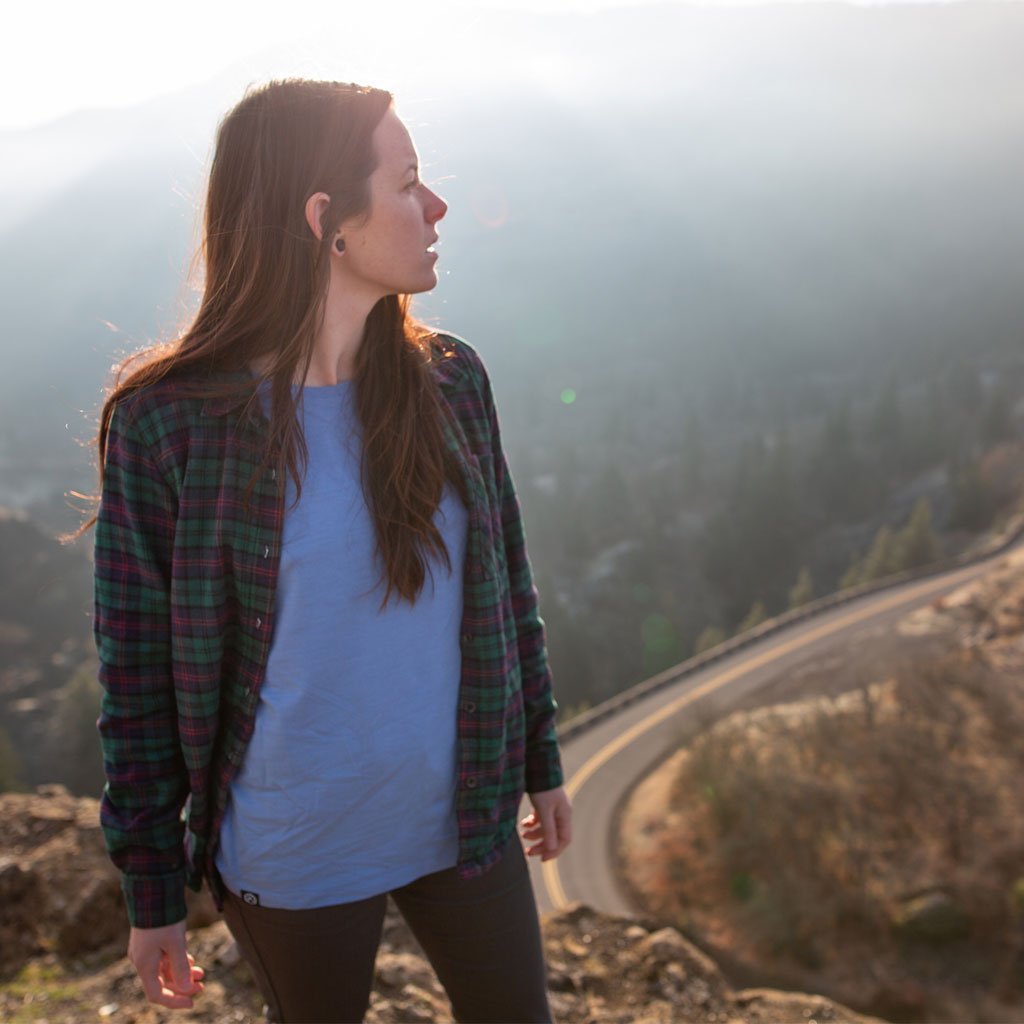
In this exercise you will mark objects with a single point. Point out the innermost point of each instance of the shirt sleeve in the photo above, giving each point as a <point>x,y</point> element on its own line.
<point>147,784</point>
<point>543,759</point>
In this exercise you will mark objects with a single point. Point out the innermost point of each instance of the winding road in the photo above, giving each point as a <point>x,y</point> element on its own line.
<point>605,762</point>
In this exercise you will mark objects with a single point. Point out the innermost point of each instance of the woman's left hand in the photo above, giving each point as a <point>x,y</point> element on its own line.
<point>550,822</point>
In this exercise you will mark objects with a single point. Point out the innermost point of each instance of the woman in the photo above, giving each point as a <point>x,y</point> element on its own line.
<point>324,672</point>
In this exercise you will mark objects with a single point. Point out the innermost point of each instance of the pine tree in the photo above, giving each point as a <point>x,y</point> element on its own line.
<point>755,617</point>
<point>853,576</point>
<point>711,636</point>
<point>660,643</point>
<point>917,542</point>
<point>883,558</point>
<point>803,589</point>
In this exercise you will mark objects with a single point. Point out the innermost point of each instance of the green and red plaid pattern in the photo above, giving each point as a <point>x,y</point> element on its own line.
<point>185,578</point>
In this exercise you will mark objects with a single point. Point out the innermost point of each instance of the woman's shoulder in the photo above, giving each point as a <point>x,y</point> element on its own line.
<point>172,403</point>
<point>457,361</point>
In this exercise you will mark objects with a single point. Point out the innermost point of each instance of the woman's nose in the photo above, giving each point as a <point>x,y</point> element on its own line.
<point>436,209</point>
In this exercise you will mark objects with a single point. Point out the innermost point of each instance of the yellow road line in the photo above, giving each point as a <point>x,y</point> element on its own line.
<point>549,869</point>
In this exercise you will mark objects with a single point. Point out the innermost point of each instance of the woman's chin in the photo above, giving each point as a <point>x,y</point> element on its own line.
<point>425,284</point>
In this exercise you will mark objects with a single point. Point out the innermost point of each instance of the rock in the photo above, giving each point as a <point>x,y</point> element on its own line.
<point>83,907</point>
<point>561,980</point>
<point>396,971</point>
<point>765,1004</point>
<point>668,945</point>
<point>603,968</point>
<point>20,895</point>
<point>664,945</point>
<point>580,915</point>
<point>93,920</point>
<point>229,954</point>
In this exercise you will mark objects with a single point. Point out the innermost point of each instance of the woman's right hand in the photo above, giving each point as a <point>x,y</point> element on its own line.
<point>167,971</point>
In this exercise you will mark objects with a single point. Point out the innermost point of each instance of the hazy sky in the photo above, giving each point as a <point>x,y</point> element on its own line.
<point>57,57</point>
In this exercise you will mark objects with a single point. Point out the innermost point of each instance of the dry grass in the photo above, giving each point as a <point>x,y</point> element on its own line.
<point>808,827</point>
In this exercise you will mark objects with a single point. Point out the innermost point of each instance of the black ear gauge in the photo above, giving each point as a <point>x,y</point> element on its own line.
<point>340,245</point>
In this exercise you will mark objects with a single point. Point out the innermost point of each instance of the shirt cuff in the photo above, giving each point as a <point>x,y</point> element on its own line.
<point>154,901</point>
<point>544,768</point>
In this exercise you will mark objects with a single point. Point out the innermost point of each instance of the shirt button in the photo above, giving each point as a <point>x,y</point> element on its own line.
<point>467,638</point>
<point>273,474</point>
<point>471,782</point>
<point>266,551</point>
<point>468,706</point>
<point>259,622</point>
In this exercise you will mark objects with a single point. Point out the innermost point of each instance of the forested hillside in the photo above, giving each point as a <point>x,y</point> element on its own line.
<point>747,281</point>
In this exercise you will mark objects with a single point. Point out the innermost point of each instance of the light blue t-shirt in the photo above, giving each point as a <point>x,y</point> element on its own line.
<point>348,785</point>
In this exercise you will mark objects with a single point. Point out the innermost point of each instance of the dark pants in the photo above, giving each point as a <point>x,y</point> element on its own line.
<point>482,937</point>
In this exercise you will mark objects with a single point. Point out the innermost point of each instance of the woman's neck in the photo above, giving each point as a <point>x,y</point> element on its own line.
<point>337,343</point>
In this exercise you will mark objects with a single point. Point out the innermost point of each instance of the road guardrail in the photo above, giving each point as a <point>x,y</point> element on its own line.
<point>586,720</point>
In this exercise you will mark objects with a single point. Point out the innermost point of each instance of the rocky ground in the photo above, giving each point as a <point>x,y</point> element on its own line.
<point>63,933</point>
<point>63,929</point>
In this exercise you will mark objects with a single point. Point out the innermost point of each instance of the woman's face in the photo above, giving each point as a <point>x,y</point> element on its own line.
<point>388,251</point>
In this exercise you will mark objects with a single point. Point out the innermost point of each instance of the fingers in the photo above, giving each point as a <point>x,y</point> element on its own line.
<point>167,971</point>
<point>549,832</point>
<point>155,983</point>
<point>551,823</point>
<point>183,979</point>
<point>197,972</point>
<point>563,816</point>
<point>179,979</point>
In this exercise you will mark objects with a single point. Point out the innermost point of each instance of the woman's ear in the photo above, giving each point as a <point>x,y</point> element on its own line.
<point>316,207</point>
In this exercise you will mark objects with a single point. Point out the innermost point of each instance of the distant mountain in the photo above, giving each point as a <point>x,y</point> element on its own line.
<point>747,280</point>
<point>650,202</point>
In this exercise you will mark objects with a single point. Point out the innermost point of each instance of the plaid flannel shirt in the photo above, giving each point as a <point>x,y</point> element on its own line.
<point>184,610</point>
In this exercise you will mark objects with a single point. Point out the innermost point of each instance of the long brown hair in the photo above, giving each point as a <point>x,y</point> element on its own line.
<point>266,279</point>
